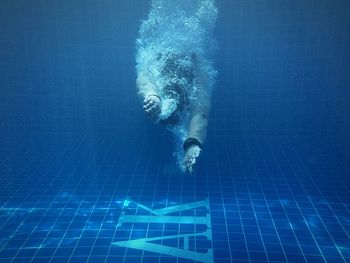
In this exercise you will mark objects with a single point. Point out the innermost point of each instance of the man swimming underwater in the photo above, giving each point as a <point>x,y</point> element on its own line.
<point>183,81</point>
<point>175,73</point>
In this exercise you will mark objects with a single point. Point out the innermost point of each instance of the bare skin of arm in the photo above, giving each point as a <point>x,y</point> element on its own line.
<point>197,130</point>
<point>198,126</point>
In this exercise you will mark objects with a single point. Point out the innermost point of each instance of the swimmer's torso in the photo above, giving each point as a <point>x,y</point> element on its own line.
<point>178,73</point>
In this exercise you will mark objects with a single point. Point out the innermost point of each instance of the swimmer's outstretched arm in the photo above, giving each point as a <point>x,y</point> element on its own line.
<point>197,131</point>
<point>152,103</point>
<point>145,86</point>
<point>198,126</point>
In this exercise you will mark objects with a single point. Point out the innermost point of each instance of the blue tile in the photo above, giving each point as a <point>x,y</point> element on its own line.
<point>74,145</point>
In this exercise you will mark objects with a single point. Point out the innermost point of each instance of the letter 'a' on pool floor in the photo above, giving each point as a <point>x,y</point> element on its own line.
<point>161,216</point>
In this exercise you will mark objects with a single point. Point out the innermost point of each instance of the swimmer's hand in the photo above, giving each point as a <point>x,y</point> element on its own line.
<point>153,107</point>
<point>191,156</point>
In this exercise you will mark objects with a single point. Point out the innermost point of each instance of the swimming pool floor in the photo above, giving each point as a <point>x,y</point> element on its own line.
<point>258,199</point>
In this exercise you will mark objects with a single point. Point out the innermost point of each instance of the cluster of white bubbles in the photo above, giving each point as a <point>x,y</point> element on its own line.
<point>182,27</point>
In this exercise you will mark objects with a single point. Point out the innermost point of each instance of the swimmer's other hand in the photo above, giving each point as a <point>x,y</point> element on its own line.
<point>153,107</point>
<point>191,156</point>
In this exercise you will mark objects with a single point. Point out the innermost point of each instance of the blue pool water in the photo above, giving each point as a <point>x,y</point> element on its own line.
<point>86,177</point>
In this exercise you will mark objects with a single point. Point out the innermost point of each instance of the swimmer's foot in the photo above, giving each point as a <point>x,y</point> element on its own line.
<point>191,156</point>
<point>153,107</point>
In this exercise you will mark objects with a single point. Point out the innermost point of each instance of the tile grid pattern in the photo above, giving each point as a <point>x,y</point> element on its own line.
<point>267,205</point>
